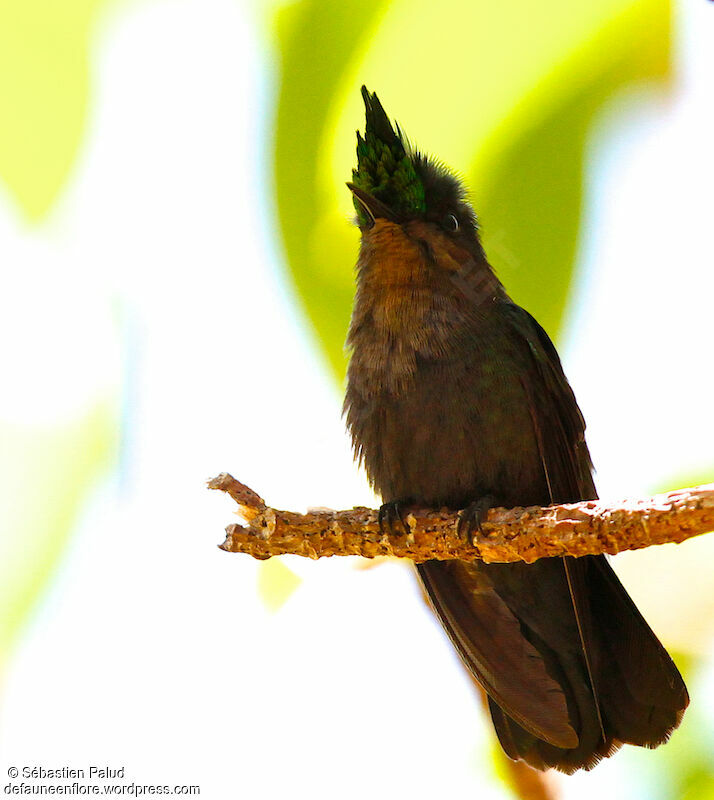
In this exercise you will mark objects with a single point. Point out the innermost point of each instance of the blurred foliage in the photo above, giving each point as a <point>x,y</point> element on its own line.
<point>44,92</point>
<point>507,93</point>
<point>508,90</point>
<point>688,760</point>
<point>317,40</point>
<point>696,476</point>
<point>683,768</point>
<point>276,583</point>
<point>46,474</point>
<point>46,470</point>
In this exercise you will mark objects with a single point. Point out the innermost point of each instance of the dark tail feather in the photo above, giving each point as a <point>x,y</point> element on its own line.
<point>640,694</point>
<point>642,689</point>
<point>488,636</point>
<point>518,744</point>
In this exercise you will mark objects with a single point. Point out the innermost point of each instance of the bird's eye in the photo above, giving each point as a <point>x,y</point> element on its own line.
<point>451,224</point>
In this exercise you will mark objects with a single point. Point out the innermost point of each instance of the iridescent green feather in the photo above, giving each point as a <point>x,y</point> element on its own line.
<point>384,167</point>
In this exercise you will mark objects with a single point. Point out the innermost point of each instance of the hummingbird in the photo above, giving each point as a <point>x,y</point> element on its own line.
<point>456,398</point>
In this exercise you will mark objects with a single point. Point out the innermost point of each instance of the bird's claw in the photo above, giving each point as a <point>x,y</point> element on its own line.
<point>388,514</point>
<point>472,517</point>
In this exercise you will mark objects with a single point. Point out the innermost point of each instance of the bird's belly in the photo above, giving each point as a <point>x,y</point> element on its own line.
<point>454,438</point>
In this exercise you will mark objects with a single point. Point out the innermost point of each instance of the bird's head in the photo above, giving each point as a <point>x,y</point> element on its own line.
<point>405,198</point>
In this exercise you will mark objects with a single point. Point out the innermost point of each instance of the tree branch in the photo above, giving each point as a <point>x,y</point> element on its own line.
<point>518,534</point>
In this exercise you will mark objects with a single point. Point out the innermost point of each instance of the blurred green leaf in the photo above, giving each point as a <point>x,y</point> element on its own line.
<point>684,767</point>
<point>45,471</point>
<point>45,476</point>
<point>44,92</point>
<point>530,192</point>
<point>317,39</point>
<point>696,476</point>
<point>509,90</point>
<point>276,583</point>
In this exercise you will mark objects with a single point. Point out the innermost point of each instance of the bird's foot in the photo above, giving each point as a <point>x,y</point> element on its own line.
<point>388,515</point>
<point>471,518</point>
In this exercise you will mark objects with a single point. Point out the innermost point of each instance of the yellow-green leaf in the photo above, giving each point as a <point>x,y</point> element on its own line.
<point>506,91</point>
<point>44,89</point>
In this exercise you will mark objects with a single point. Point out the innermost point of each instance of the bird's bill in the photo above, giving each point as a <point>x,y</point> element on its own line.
<point>375,209</point>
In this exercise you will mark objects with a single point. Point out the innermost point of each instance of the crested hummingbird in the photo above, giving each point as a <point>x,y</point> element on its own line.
<point>456,398</point>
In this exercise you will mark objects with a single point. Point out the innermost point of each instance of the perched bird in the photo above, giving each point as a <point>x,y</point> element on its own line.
<point>456,398</point>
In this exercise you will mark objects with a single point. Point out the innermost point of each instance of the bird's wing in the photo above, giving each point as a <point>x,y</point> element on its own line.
<point>557,420</point>
<point>571,667</point>
<point>638,693</point>
<point>488,636</point>
<point>480,605</point>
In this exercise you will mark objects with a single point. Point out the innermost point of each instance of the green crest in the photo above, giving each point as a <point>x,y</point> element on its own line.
<point>384,168</point>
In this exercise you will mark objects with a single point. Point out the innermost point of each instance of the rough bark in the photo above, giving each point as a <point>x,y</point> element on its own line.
<point>517,534</point>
